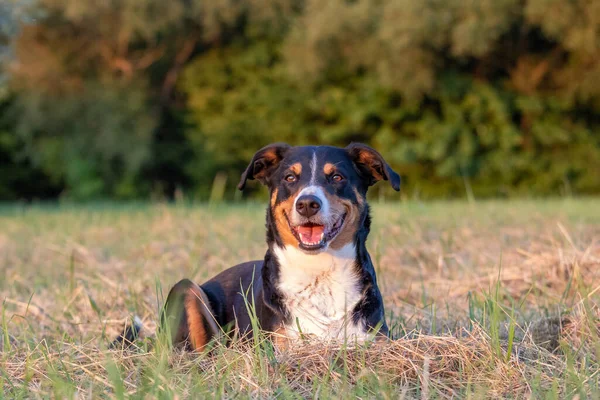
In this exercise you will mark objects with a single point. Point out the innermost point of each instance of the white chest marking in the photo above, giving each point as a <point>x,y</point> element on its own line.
<point>320,291</point>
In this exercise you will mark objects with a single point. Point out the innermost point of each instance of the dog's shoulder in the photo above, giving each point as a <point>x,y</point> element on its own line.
<point>237,277</point>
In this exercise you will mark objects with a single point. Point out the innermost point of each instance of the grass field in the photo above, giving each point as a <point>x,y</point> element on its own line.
<point>485,299</point>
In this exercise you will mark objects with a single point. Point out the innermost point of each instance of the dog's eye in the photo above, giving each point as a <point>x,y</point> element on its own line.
<point>337,178</point>
<point>290,178</point>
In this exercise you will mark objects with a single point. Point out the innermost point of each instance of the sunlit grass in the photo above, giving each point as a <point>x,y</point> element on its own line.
<point>484,299</point>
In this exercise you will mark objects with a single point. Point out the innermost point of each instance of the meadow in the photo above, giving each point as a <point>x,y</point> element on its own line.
<point>485,300</point>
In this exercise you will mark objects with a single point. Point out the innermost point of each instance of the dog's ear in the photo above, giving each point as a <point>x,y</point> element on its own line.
<point>372,166</point>
<point>264,162</point>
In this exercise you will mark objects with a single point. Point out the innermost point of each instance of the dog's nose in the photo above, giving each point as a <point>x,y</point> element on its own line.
<point>308,205</point>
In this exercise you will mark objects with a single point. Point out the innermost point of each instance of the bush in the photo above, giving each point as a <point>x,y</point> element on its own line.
<point>490,98</point>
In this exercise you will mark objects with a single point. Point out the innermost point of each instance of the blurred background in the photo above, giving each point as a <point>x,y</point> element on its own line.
<point>154,99</point>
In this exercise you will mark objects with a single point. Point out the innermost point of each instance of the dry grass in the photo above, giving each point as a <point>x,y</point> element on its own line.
<point>487,300</point>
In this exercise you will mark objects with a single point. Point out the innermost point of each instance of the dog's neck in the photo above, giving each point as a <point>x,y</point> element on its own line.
<point>302,266</point>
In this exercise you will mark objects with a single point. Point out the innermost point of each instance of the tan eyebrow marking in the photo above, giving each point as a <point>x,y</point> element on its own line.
<point>329,168</point>
<point>296,168</point>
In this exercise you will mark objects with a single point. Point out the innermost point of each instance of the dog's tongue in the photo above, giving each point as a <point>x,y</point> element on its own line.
<point>311,234</point>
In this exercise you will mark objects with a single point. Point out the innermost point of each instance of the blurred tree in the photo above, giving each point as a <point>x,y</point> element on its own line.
<point>127,98</point>
<point>572,66</point>
<point>88,113</point>
<point>18,177</point>
<point>458,93</point>
<point>101,112</point>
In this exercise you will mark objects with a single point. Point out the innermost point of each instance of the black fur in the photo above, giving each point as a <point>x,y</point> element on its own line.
<point>258,281</point>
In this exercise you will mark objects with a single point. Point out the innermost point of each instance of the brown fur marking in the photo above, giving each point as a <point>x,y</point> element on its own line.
<point>368,159</point>
<point>270,154</point>
<point>328,168</point>
<point>359,198</point>
<point>197,332</point>
<point>285,208</point>
<point>350,227</point>
<point>199,318</point>
<point>270,157</point>
<point>281,339</point>
<point>296,168</point>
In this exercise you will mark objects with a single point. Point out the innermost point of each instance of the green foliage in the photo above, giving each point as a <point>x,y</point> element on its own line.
<point>493,98</point>
<point>91,165</point>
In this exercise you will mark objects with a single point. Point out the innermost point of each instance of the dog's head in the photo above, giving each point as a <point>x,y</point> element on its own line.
<point>318,193</point>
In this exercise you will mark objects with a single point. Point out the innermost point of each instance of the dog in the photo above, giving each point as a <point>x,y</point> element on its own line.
<point>317,278</point>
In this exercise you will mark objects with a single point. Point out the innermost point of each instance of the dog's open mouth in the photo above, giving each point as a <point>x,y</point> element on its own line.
<point>314,236</point>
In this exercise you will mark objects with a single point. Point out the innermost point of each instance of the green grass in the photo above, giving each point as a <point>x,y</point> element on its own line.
<point>486,299</point>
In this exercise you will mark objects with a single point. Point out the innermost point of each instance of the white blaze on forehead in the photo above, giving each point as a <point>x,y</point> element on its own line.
<point>313,189</point>
<point>313,169</point>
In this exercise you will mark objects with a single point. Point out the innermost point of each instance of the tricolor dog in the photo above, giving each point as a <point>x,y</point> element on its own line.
<point>316,278</point>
